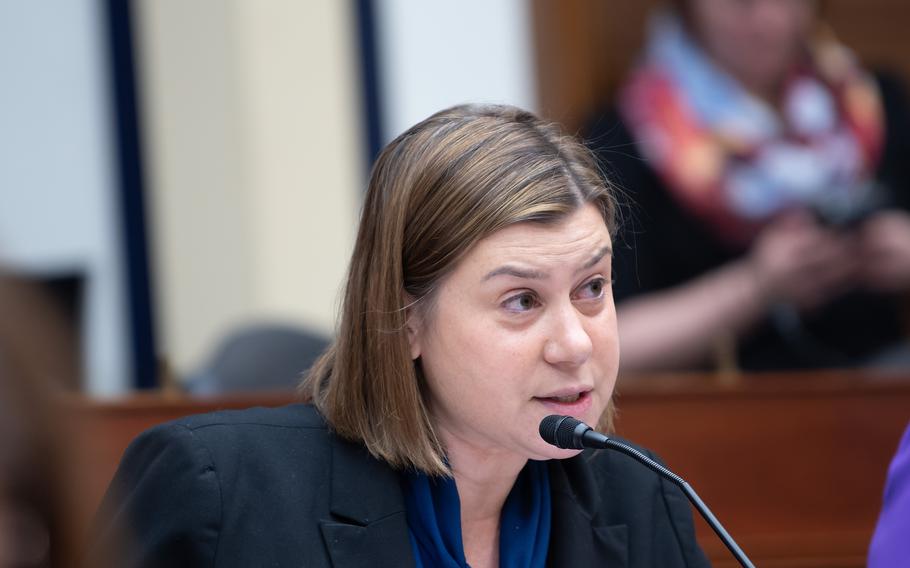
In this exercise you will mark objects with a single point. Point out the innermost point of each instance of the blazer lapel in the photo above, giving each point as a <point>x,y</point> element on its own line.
<point>369,525</point>
<point>579,536</point>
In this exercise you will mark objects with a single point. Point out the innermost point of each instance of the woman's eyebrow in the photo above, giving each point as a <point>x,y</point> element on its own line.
<point>515,271</point>
<point>606,250</point>
<point>531,274</point>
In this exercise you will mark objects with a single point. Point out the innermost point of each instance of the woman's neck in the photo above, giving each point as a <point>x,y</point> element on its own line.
<point>483,484</point>
<point>484,479</point>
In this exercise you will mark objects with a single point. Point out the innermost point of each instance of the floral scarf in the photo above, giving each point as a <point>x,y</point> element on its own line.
<point>733,160</point>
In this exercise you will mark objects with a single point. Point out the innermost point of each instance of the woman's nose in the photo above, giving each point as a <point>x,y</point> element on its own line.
<point>569,342</point>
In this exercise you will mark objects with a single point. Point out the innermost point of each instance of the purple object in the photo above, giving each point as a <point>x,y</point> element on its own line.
<point>891,542</point>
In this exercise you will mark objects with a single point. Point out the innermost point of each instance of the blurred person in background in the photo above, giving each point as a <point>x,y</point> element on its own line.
<point>37,507</point>
<point>766,177</point>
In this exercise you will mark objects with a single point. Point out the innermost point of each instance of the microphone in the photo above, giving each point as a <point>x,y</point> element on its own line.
<point>569,433</point>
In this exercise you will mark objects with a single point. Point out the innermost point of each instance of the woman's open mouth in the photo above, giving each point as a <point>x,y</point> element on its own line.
<point>570,398</point>
<point>574,403</point>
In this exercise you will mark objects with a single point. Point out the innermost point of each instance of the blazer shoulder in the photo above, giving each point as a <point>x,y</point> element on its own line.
<point>267,435</point>
<point>164,502</point>
<point>198,436</point>
<point>299,416</point>
<point>182,484</point>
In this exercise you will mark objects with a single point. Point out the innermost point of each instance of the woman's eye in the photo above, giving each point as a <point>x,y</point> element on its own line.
<point>593,290</point>
<point>521,302</point>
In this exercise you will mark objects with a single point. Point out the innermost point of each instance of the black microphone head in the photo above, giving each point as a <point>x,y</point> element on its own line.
<point>560,431</point>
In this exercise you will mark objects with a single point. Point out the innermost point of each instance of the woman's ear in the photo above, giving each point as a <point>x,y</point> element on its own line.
<point>412,324</point>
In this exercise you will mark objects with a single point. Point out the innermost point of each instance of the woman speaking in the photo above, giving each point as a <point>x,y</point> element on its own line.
<point>478,301</point>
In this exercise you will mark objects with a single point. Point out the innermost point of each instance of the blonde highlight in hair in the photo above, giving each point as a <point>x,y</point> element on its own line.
<point>435,191</point>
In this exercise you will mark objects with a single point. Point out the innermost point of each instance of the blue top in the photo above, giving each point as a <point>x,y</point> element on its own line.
<point>434,520</point>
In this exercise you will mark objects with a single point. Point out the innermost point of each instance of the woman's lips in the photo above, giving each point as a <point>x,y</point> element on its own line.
<point>569,404</point>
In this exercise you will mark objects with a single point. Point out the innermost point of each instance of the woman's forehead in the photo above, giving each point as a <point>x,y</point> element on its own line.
<point>579,240</point>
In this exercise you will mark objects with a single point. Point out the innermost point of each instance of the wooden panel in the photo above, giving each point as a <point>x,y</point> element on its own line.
<point>792,464</point>
<point>585,47</point>
<point>876,30</point>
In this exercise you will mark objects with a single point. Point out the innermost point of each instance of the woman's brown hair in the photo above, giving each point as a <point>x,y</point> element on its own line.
<point>436,190</point>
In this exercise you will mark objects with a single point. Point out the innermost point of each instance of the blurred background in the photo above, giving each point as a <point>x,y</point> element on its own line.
<point>180,183</point>
<point>173,172</point>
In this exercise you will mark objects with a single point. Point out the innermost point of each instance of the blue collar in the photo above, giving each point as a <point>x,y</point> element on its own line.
<point>434,520</point>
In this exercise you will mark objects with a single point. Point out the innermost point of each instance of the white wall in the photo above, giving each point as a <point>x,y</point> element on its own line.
<point>57,179</point>
<point>253,114</point>
<point>435,53</point>
<point>252,117</point>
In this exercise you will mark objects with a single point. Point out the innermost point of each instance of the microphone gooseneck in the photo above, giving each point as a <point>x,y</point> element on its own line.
<point>570,433</point>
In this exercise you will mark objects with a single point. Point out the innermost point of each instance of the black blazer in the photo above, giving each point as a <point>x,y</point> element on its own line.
<point>274,487</point>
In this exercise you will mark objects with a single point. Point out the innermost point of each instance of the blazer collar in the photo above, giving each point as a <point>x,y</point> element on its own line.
<point>579,534</point>
<point>369,525</point>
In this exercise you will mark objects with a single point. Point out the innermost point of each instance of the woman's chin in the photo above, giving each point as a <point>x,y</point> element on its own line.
<point>554,453</point>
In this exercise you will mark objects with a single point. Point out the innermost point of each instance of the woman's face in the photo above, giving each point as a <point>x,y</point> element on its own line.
<point>524,327</point>
<point>757,41</point>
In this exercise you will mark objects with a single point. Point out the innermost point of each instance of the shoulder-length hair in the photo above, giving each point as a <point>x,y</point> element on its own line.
<point>436,190</point>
